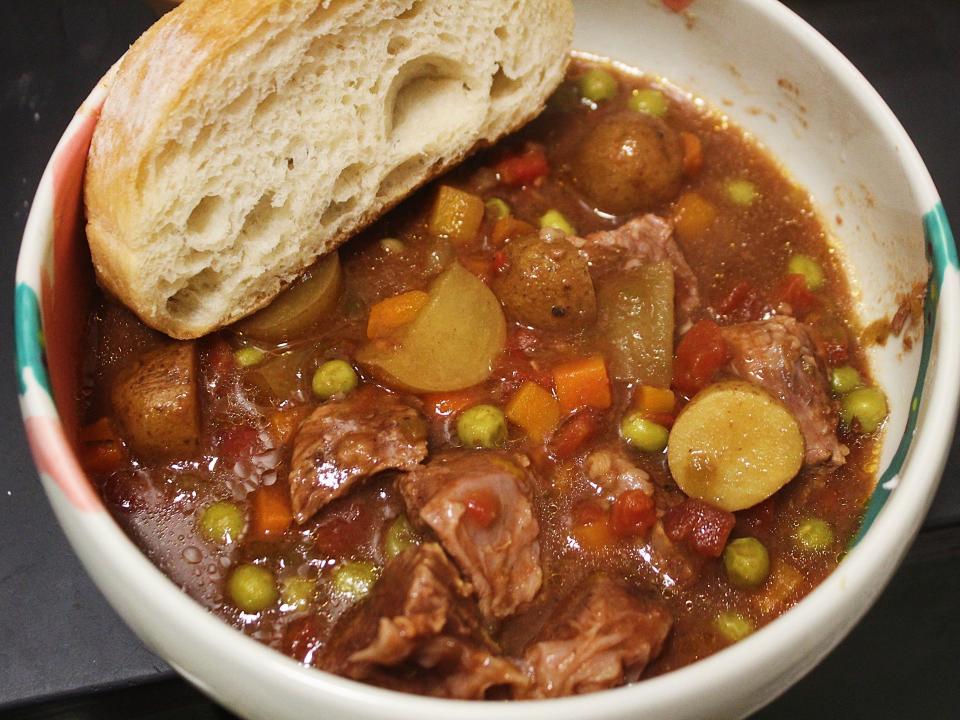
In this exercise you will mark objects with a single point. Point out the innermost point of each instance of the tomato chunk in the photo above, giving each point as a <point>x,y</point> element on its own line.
<point>743,304</point>
<point>574,434</point>
<point>525,168</point>
<point>794,292</point>
<point>700,354</point>
<point>482,509</point>
<point>633,513</point>
<point>700,525</point>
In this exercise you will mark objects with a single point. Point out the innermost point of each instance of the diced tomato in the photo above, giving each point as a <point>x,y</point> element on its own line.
<point>633,513</point>
<point>479,265</point>
<point>573,434</point>
<point>759,519</point>
<point>700,354</point>
<point>692,153</point>
<point>793,291</point>
<point>499,261</point>
<point>482,508</point>
<point>340,535</point>
<point>743,304</point>
<point>677,5</point>
<point>832,343</point>
<point>516,368</point>
<point>522,340</point>
<point>240,441</point>
<point>302,638</point>
<point>525,168</point>
<point>510,228</point>
<point>700,525</point>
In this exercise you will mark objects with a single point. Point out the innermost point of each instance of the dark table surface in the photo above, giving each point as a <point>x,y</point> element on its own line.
<point>63,651</point>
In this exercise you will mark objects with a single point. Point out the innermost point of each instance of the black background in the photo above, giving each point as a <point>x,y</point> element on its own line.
<point>64,653</point>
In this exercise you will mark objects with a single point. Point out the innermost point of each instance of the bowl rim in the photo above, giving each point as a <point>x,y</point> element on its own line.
<point>891,519</point>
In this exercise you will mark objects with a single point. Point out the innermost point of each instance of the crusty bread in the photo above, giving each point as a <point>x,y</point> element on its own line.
<point>242,139</point>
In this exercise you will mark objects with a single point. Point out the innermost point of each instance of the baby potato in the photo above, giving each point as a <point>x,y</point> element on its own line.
<point>734,446</point>
<point>156,402</point>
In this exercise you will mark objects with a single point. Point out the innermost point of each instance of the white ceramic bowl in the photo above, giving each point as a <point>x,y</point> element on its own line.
<point>774,76</point>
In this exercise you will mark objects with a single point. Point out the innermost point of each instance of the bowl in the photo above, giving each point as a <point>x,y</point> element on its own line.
<point>777,78</point>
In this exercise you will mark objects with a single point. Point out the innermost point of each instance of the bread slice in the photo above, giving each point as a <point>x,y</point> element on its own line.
<point>242,139</point>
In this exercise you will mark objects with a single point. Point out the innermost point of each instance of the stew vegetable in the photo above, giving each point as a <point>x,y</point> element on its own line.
<point>583,411</point>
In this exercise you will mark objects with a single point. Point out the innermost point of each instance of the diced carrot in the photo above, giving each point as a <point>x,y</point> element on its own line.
<point>395,312</point>
<point>445,405</point>
<point>271,513</point>
<point>650,399</point>
<point>582,383</point>
<point>633,513</point>
<point>510,228</point>
<point>535,410</point>
<point>574,434</point>
<point>525,168</point>
<point>793,291</point>
<point>482,508</point>
<point>780,587</point>
<point>101,448</point>
<point>284,422</point>
<point>693,216</point>
<point>700,354</point>
<point>692,153</point>
<point>591,527</point>
<point>456,215</point>
<point>239,441</point>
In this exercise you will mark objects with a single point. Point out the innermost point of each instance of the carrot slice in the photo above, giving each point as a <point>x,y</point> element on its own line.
<point>582,383</point>
<point>535,410</point>
<point>395,312</point>
<point>271,514</point>
<point>693,216</point>
<point>692,153</point>
<point>101,450</point>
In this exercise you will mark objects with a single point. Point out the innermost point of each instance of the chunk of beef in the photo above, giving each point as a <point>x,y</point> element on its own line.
<point>346,440</point>
<point>646,239</point>
<point>778,355</point>
<point>420,632</point>
<point>602,639</point>
<point>479,505</point>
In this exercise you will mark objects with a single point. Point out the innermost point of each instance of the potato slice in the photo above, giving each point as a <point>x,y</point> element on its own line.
<point>300,307</point>
<point>734,446</point>
<point>452,344</point>
<point>156,401</point>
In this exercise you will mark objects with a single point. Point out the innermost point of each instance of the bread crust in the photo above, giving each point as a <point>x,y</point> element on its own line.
<point>149,87</point>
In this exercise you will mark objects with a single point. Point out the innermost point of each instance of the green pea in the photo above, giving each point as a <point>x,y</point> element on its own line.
<point>813,535</point>
<point>809,268</point>
<point>555,219</point>
<point>747,562</point>
<point>648,101</point>
<point>334,377</point>
<point>497,208</point>
<point>732,626</point>
<point>400,535</point>
<point>868,406</point>
<point>597,85</point>
<point>249,356</point>
<point>355,578</point>
<point>392,246</point>
<point>844,379</point>
<point>297,592</point>
<point>644,434</point>
<point>482,426</point>
<point>742,192</point>
<point>252,588</point>
<point>222,523</point>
